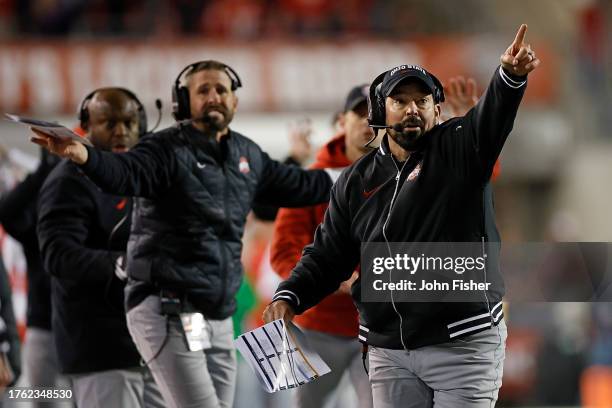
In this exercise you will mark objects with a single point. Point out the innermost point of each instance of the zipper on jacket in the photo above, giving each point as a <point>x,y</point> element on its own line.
<point>226,228</point>
<point>484,255</point>
<point>384,230</point>
<point>484,239</point>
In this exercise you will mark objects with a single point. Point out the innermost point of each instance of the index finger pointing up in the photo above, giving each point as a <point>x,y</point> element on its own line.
<point>520,37</point>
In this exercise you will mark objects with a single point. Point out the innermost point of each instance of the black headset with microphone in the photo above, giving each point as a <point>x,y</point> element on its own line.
<point>180,94</point>
<point>83,112</point>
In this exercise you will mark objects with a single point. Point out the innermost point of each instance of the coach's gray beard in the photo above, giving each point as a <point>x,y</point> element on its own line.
<point>214,124</point>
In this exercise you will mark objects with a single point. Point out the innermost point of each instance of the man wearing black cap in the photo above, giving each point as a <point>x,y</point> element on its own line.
<point>427,182</point>
<point>331,327</point>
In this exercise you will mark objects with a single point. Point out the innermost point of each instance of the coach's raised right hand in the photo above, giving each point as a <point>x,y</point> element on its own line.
<point>70,149</point>
<point>519,58</point>
<point>278,309</point>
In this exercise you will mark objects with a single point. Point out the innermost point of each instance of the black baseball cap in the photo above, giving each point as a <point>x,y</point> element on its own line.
<point>357,94</point>
<point>398,74</point>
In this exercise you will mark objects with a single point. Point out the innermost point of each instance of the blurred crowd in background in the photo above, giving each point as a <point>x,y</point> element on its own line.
<point>245,19</point>
<point>555,175</point>
<point>296,19</point>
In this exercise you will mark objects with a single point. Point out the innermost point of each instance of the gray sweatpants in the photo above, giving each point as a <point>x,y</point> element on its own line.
<point>133,387</point>
<point>203,379</point>
<point>40,358</point>
<point>466,373</point>
<point>342,355</point>
<point>40,366</point>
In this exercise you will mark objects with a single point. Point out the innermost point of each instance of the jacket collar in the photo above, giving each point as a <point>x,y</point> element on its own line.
<point>383,148</point>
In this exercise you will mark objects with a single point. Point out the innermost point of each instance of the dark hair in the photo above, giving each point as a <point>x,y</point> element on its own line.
<point>206,66</point>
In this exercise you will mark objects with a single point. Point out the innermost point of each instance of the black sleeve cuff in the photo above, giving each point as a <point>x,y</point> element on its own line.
<point>289,297</point>
<point>291,161</point>
<point>512,80</point>
<point>518,78</point>
<point>93,157</point>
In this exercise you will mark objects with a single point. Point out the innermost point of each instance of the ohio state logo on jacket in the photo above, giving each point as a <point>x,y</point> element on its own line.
<point>243,165</point>
<point>414,173</point>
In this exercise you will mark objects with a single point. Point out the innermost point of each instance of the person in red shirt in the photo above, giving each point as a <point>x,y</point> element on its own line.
<point>331,327</point>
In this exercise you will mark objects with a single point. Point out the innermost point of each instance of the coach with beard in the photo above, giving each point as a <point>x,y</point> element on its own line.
<point>428,182</point>
<point>194,185</point>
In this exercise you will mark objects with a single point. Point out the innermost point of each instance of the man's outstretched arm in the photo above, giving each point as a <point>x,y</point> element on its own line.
<point>145,171</point>
<point>482,132</point>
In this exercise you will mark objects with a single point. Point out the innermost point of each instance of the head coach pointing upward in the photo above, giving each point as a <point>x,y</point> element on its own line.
<point>427,182</point>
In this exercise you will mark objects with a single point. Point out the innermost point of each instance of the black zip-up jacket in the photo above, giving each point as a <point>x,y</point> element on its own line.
<point>18,217</point>
<point>82,231</point>
<point>194,194</point>
<point>446,199</point>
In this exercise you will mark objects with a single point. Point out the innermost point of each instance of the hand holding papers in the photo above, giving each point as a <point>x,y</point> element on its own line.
<point>279,354</point>
<point>56,138</point>
<point>48,128</point>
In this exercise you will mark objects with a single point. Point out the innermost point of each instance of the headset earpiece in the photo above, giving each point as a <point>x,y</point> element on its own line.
<point>376,103</point>
<point>236,82</point>
<point>83,112</point>
<point>180,102</point>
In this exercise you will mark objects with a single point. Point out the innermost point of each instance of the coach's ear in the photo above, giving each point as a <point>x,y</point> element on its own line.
<point>234,101</point>
<point>438,113</point>
<point>341,121</point>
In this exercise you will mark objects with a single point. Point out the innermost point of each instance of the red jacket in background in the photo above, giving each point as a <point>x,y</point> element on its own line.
<point>293,230</point>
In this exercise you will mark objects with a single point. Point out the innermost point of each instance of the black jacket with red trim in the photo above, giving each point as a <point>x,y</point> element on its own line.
<point>448,198</point>
<point>82,231</point>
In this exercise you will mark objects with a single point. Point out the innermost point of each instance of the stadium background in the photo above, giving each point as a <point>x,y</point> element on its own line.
<point>297,59</point>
